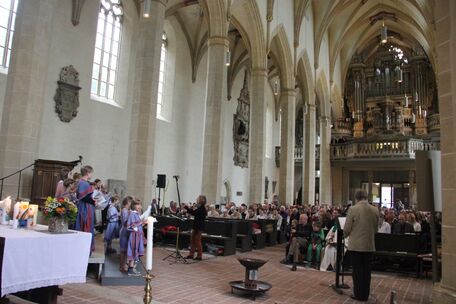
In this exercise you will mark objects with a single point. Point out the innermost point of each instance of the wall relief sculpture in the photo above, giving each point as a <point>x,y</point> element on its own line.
<point>117,187</point>
<point>241,127</point>
<point>67,94</point>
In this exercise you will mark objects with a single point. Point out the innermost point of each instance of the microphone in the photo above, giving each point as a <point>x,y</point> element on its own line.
<point>176,176</point>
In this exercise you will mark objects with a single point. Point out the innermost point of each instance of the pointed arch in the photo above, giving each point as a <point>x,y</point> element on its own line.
<point>246,18</point>
<point>322,91</point>
<point>216,16</point>
<point>304,78</point>
<point>280,50</point>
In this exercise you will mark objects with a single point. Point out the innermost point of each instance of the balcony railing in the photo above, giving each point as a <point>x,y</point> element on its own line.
<point>394,149</point>
<point>380,149</point>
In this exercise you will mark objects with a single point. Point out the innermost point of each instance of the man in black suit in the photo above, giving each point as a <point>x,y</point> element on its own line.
<point>200,214</point>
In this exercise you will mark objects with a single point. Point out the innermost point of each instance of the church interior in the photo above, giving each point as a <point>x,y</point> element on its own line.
<point>277,112</point>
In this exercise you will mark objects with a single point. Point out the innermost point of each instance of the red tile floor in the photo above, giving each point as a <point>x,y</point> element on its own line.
<point>207,282</point>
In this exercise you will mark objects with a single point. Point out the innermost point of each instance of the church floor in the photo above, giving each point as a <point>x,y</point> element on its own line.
<point>207,282</point>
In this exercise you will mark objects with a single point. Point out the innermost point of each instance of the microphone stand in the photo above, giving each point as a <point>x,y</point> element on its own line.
<point>176,177</point>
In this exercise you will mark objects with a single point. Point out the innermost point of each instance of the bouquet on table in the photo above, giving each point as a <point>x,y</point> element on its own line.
<point>59,212</point>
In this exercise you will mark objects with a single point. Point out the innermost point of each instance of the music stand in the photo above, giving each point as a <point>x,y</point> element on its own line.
<point>176,255</point>
<point>340,244</point>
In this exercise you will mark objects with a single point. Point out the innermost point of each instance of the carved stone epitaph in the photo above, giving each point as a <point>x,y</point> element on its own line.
<point>241,125</point>
<point>67,94</point>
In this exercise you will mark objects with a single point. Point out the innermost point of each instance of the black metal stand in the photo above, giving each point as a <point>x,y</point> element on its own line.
<point>176,255</point>
<point>339,284</point>
<point>176,177</point>
<point>158,202</point>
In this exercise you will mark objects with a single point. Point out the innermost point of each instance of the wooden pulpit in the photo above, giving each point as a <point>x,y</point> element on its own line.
<point>46,175</point>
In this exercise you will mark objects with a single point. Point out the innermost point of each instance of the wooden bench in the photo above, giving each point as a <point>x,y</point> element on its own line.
<point>244,236</point>
<point>269,229</point>
<point>218,232</point>
<point>397,247</point>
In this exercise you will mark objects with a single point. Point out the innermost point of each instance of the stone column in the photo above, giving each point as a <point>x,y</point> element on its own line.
<point>370,180</point>
<point>308,158</point>
<point>287,145</point>
<point>345,186</point>
<point>445,24</point>
<point>213,135</point>
<point>257,134</point>
<point>325,163</point>
<point>412,190</point>
<point>25,88</point>
<point>144,104</point>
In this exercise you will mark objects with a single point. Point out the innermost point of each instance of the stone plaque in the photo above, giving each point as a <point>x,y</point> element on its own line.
<point>118,187</point>
<point>241,126</point>
<point>67,94</point>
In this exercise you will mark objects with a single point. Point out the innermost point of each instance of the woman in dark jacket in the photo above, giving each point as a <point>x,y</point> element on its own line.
<point>198,227</point>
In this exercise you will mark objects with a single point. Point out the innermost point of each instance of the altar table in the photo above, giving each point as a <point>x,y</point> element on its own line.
<point>34,258</point>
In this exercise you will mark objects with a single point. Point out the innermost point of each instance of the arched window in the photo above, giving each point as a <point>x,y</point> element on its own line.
<point>162,78</point>
<point>8,10</point>
<point>107,49</point>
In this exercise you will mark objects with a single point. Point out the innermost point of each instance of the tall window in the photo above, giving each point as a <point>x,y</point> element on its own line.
<point>8,10</point>
<point>107,48</point>
<point>161,79</point>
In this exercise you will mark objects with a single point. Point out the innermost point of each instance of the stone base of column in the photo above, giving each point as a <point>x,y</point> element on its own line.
<point>442,295</point>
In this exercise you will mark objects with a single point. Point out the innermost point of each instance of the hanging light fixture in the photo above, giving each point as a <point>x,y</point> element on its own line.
<point>146,9</point>
<point>276,87</point>
<point>406,101</point>
<point>227,57</point>
<point>384,33</point>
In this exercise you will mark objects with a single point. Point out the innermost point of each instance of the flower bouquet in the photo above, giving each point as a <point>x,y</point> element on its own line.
<point>59,212</point>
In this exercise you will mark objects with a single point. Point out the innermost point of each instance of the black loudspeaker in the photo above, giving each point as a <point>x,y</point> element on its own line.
<point>161,181</point>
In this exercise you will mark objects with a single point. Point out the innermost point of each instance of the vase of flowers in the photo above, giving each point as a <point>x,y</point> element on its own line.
<point>60,212</point>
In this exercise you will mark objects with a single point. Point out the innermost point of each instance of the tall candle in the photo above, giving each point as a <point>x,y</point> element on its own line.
<point>16,210</point>
<point>150,241</point>
<point>34,211</point>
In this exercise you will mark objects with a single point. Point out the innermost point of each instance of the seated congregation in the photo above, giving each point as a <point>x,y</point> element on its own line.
<point>310,232</point>
<point>403,236</point>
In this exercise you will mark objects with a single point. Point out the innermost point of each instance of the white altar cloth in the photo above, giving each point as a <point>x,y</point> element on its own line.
<point>33,259</point>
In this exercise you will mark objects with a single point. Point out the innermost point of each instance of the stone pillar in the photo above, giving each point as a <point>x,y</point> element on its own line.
<point>213,135</point>
<point>308,158</point>
<point>25,88</point>
<point>370,180</point>
<point>445,24</point>
<point>257,134</point>
<point>412,190</point>
<point>144,104</point>
<point>287,145</point>
<point>345,186</point>
<point>325,163</point>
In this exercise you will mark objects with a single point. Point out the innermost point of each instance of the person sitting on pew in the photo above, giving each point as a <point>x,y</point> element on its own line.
<point>262,215</point>
<point>401,226</point>
<point>212,212</point>
<point>251,214</point>
<point>316,243</point>
<point>299,239</point>
<point>383,226</point>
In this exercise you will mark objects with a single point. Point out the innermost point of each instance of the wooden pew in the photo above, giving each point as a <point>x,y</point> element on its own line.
<point>222,233</point>
<point>269,229</point>
<point>244,234</point>
<point>397,248</point>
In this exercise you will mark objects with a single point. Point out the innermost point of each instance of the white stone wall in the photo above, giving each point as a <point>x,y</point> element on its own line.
<point>100,131</point>
<point>179,142</point>
<point>3,78</point>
